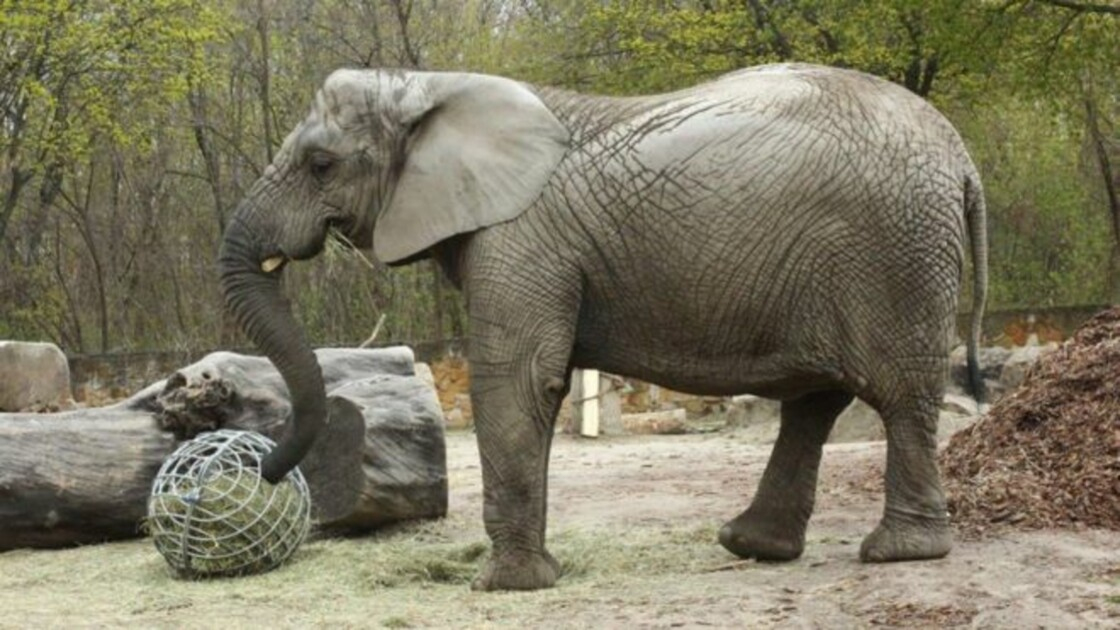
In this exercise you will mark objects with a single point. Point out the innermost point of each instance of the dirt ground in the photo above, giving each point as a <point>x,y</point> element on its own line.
<point>633,520</point>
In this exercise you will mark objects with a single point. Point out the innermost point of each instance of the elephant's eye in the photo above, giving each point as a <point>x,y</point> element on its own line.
<point>321,165</point>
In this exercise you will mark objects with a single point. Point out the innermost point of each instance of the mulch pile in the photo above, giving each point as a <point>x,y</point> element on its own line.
<point>1048,454</point>
<point>452,380</point>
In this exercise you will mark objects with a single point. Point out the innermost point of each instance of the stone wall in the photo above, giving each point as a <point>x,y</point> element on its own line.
<point>1016,327</point>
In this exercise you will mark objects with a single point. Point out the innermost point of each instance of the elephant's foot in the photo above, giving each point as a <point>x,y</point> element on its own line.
<point>752,535</point>
<point>518,571</point>
<point>900,538</point>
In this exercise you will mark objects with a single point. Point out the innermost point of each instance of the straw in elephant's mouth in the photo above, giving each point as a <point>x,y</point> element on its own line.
<point>337,234</point>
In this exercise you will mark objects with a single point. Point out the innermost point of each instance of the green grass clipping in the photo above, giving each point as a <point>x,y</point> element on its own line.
<point>231,523</point>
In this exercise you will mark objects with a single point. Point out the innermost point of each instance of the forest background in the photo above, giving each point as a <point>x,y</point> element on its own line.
<point>131,129</point>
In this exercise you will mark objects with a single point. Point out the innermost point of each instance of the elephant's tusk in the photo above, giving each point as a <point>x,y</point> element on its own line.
<point>272,264</point>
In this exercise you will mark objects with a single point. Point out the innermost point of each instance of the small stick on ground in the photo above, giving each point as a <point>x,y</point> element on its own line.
<point>731,566</point>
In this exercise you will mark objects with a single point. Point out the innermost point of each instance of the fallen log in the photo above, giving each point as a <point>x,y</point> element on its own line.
<point>84,476</point>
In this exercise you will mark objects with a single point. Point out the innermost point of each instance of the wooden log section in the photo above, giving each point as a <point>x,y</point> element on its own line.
<point>84,476</point>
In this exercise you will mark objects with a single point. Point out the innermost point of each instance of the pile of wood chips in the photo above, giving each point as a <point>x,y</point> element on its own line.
<point>452,379</point>
<point>1048,454</point>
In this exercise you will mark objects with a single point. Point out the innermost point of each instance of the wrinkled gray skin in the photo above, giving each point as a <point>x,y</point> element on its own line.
<point>795,232</point>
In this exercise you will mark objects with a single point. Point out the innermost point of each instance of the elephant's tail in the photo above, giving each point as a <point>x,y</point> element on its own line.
<point>976,216</point>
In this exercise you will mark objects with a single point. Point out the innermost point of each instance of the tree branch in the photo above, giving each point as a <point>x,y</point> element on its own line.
<point>1084,7</point>
<point>1104,163</point>
<point>764,21</point>
<point>404,15</point>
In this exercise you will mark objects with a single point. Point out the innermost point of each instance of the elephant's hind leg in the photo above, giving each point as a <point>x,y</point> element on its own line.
<point>773,527</point>
<point>915,524</point>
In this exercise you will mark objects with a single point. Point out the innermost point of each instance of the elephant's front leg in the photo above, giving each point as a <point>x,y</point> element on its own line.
<point>516,389</point>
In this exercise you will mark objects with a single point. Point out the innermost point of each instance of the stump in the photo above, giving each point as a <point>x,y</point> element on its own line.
<point>84,476</point>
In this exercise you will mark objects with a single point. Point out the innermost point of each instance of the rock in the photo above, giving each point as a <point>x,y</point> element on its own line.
<point>608,397</point>
<point>949,423</point>
<point>1003,369</point>
<point>761,419</point>
<point>991,365</point>
<point>748,410</point>
<point>757,420</point>
<point>461,415</point>
<point>33,376</point>
<point>456,420</point>
<point>641,396</point>
<point>424,373</point>
<point>858,423</point>
<point>701,405</point>
<point>565,422</point>
<point>1020,361</point>
<point>610,406</point>
<point>670,422</point>
<point>960,405</point>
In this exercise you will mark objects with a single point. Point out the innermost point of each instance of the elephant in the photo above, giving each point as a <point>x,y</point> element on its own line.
<point>792,231</point>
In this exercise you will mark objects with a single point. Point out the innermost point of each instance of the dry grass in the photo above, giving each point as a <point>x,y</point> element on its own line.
<point>415,575</point>
<point>636,537</point>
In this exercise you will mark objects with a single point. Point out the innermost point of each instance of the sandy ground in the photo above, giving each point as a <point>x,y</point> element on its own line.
<point>633,520</point>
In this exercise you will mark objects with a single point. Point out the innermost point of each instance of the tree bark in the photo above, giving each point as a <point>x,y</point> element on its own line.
<point>84,476</point>
<point>17,180</point>
<point>1110,177</point>
<point>1085,7</point>
<point>264,76</point>
<point>403,9</point>
<point>196,98</point>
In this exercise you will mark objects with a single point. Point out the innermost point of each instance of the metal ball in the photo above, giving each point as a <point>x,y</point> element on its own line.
<point>211,514</point>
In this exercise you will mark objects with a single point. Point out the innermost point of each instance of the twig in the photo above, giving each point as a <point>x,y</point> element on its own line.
<point>373,335</point>
<point>353,248</point>
<point>1084,7</point>
<point>731,566</point>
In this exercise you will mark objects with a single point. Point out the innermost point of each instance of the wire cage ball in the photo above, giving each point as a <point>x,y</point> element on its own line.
<point>211,514</point>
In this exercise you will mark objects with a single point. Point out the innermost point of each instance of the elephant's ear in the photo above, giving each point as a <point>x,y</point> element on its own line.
<point>479,153</point>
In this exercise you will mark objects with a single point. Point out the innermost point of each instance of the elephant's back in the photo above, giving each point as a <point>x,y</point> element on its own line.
<point>799,90</point>
<point>767,179</point>
<point>766,139</point>
<point>777,113</point>
<point>802,105</point>
<point>742,163</point>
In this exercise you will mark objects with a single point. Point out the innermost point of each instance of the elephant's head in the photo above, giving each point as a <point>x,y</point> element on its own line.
<point>396,160</point>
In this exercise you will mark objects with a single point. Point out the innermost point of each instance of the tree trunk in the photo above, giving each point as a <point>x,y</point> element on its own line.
<point>11,198</point>
<point>264,77</point>
<point>84,476</point>
<point>1110,177</point>
<point>196,98</point>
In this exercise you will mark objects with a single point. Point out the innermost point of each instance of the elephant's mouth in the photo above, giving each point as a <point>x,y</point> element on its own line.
<point>352,232</point>
<point>341,228</point>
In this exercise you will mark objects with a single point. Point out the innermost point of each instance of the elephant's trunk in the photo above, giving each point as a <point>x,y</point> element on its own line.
<point>253,296</point>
